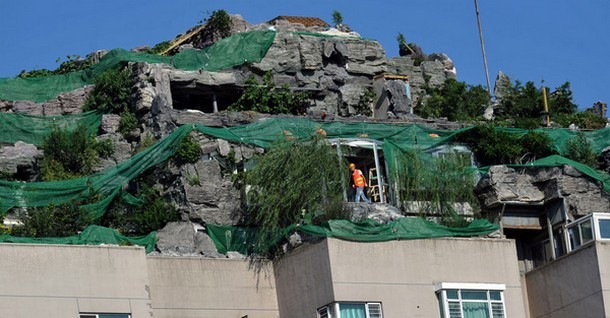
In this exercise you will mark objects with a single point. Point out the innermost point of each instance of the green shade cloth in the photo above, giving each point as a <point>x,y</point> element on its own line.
<point>92,235</point>
<point>33,129</point>
<point>242,239</point>
<point>229,52</point>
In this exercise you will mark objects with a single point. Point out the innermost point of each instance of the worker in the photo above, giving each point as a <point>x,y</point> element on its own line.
<point>359,183</point>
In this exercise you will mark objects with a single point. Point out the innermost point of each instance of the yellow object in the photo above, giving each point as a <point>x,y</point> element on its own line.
<point>181,39</point>
<point>546,106</point>
<point>351,165</point>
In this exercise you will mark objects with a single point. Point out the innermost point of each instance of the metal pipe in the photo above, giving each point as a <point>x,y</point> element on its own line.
<point>214,103</point>
<point>546,107</point>
<point>339,156</point>
<point>476,5</point>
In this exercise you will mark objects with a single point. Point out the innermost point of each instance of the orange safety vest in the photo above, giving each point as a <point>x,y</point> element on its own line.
<point>358,178</point>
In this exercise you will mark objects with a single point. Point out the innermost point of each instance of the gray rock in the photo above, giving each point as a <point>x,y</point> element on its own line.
<point>205,246</point>
<point>20,158</point>
<point>27,107</point>
<point>223,147</point>
<point>176,237</point>
<point>382,213</point>
<point>110,123</point>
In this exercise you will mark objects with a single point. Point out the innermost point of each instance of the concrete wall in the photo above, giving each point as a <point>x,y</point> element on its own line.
<point>61,281</point>
<point>211,288</point>
<point>570,286</point>
<point>399,274</point>
<point>304,281</point>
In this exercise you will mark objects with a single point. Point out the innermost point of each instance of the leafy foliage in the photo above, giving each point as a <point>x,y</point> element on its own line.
<point>364,103</point>
<point>72,64</point>
<point>189,150</point>
<point>70,154</point>
<point>455,100</point>
<point>159,47</point>
<point>292,179</point>
<point>584,120</point>
<point>437,183</point>
<point>266,97</point>
<point>337,17</point>
<point>579,149</point>
<point>152,215</point>
<point>128,122</point>
<point>112,92</point>
<point>495,146</point>
<point>53,221</point>
<point>221,21</point>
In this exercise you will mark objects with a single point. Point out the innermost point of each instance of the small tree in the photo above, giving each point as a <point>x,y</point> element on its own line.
<point>220,21</point>
<point>266,97</point>
<point>292,179</point>
<point>112,92</point>
<point>579,149</point>
<point>337,18</point>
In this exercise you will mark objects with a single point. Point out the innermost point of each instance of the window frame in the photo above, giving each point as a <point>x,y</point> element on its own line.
<point>97,314</point>
<point>333,310</point>
<point>441,289</point>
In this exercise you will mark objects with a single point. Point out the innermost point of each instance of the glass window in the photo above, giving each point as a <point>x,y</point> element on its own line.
<point>586,231</point>
<point>469,303</point>
<point>574,233</point>
<point>351,310</point>
<point>604,228</point>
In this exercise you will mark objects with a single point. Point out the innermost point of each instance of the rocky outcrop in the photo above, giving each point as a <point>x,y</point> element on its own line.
<point>64,104</point>
<point>19,161</point>
<point>582,195</point>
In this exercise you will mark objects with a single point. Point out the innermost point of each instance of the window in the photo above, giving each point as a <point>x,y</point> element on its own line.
<point>351,310</point>
<point>470,300</point>
<point>104,316</point>
<point>580,233</point>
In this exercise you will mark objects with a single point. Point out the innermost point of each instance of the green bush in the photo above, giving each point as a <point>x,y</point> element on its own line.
<point>337,17</point>
<point>152,215</point>
<point>128,122</point>
<point>53,221</point>
<point>293,179</point>
<point>221,21</point>
<point>537,145</point>
<point>70,154</point>
<point>364,103</point>
<point>189,150</point>
<point>584,120</point>
<point>112,92</point>
<point>579,149</point>
<point>492,146</point>
<point>437,183</point>
<point>159,47</point>
<point>72,64</point>
<point>266,97</point>
<point>454,100</point>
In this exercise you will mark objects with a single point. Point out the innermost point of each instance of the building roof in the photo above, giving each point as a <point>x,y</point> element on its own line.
<point>306,21</point>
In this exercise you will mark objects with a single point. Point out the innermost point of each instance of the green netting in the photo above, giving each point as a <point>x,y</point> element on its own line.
<point>32,129</point>
<point>92,235</point>
<point>556,160</point>
<point>242,239</point>
<point>226,53</point>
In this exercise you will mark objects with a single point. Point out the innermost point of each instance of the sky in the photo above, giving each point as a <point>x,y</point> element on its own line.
<point>543,41</point>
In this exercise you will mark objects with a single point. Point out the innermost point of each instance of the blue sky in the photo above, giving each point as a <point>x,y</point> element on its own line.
<point>544,40</point>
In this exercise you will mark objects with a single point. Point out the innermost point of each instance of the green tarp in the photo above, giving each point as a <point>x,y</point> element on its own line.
<point>229,52</point>
<point>92,235</point>
<point>242,239</point>
<point>32,129</point>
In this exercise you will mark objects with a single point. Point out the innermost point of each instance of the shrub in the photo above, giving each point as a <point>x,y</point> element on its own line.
<point>128,122</point>
<point>112,92</point>
<point>292,179</point>
<point>266,97</point>
<point>189,150</point>
<point>491,145</point>
<point>579,149</point>
<point>364,103</point>
<point>159,48</point>
<point>454,100</point>
<point>537,144</point>
<point>437,183</point>
<point>69,154</point>
<point>152,215</point>
<point>53,221</point>
<point>72,64</point>
<point>337,17</point>
<point>221,21</point>
<point>584,120</point>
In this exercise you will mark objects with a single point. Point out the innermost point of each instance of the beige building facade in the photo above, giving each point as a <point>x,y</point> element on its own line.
<point>411,278</point>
